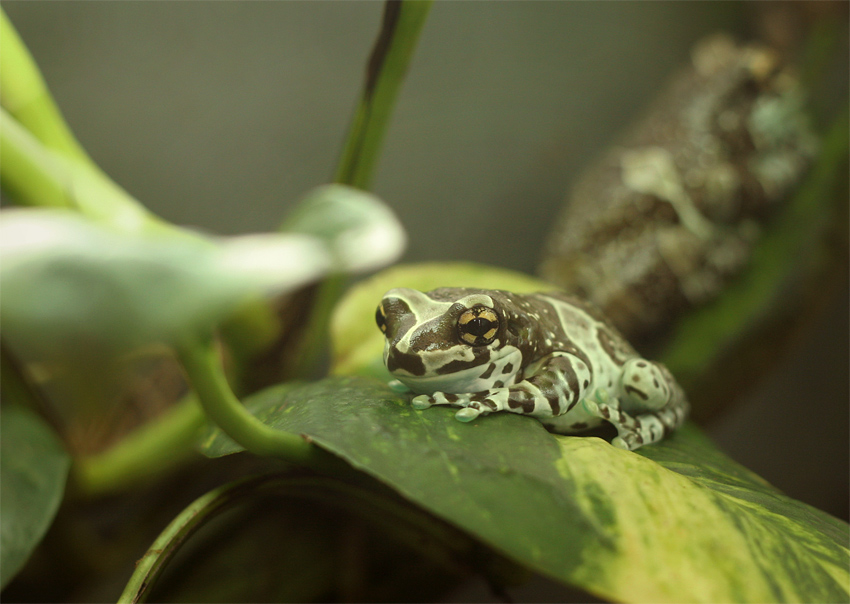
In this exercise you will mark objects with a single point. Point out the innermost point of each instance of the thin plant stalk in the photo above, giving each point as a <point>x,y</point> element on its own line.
<point>388,65</point>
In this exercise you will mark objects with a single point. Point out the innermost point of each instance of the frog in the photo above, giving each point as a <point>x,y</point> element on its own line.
<point>547,355</point>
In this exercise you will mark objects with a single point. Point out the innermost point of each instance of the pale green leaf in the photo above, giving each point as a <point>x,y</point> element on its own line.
<point>361,232</point>
<point>69,284</point>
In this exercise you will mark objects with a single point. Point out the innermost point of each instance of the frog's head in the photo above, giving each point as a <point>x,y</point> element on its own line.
<point>447,340</point>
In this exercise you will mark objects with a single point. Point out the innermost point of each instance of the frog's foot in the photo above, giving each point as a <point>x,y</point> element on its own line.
<point>629,428</point>
<point>598,401</point>
<point>632,439</point>
<point>423,401</point>
<point>635,431</point>
<point>473,404</point>
<point>648,428</point>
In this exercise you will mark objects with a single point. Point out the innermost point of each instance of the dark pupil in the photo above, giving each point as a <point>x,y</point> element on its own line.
<point>379,318</point>
<point>478,326</point>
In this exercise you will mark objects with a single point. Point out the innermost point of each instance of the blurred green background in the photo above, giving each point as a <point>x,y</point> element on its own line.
<point>221,114</point>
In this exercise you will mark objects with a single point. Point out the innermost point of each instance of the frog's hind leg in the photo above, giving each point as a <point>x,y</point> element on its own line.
<point>646,428</point>
<point>634,431</point>
<point>651,407</point>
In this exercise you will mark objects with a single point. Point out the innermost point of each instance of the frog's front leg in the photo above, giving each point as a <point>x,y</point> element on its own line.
<point>473,403</point>
<point>554,385</point>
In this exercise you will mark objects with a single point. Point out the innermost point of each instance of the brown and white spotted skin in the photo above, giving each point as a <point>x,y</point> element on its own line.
<point>547,355</point>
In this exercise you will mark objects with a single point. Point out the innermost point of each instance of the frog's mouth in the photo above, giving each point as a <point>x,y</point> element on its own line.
<point>457,382</point>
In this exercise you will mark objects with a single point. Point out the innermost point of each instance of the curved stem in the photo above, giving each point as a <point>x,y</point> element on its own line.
<point>150,450</point>
<point>25,95</point>
<point>329,490</point>
<point>202,366</point>
<point>176,533</point>
<point>39,176</point>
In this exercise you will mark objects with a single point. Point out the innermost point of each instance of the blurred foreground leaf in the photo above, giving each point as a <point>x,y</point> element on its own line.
<point>361,232</point>
<point>33,469</point>
<point>69,283</point>
<point>677,522</point>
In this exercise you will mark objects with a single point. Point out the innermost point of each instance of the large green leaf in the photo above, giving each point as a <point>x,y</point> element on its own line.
<point>678,521</point>
<point>33,469</point>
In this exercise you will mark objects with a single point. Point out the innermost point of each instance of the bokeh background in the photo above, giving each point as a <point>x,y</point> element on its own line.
<point>221,114</point>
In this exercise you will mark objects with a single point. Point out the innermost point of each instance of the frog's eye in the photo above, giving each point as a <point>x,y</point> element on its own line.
<point>381,318</point>
<point>478,325</point>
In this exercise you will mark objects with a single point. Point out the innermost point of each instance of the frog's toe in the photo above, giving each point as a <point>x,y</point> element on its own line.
<point>591,406</point>
<point>423,401</point>
<point>397,386</point>
<point>620,443</point>
<point>600,395</point>
<point>467,414</point>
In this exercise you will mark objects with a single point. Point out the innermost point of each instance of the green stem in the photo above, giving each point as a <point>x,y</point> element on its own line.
<point>387,67</point>
<point>318,325</point>
<point>38,176</point>
<point>177,532</point>
<point>24,94</point>
<point>391,55</point>
<point>201,363</point>
<point>149,451</point>
<point>43,164</point>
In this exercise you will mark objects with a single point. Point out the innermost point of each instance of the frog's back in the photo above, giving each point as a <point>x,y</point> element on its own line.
<point>584,325</point>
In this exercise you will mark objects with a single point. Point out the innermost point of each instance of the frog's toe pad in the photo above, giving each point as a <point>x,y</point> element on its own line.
<point>592,407</point>
<point>423,401</point>
<point>397,386</point>
<point>467,414</point>
<point>621,444</point>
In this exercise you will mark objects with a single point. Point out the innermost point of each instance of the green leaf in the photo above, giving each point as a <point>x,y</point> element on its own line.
<point>358,343</point>
<point>33,469</point>
<point>677,522</point>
